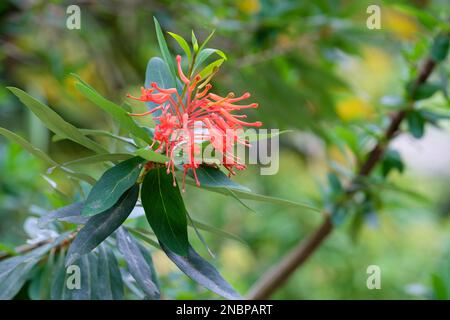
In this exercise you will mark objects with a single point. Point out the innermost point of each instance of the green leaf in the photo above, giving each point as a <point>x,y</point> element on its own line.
<point>165,51</point>
<point>148,258</point>
<point>7,249</point>
<point>111,186</point>
<point>43,156</point>
<point>40,284</point>
<point>15,279</point>
<point>202,272</point>
<point>206,40</point>
<point>211,177</point>
<point>439,50</point>
<point>140,268</point>
<point>199,235</point>
<point>218,182</point>
<point>107,157</point>
<point>194,42</point>
<point>424,90</point>
<point>58,287</point>
<point>416,124</point>
<point>257,136</point>
<point>14,271</point>
<point>110,284</point>
<point>183,44</point>
<point>100,226</point>
<point>54,122</point>
<point>89,279</point>
<point>151,155</point>
<point>144,236</point>
<point>392,161</point>
<point>204,54</point>
<point>433,117</point>
<point>335,183</point>
<point>439,288</point>
<point>92,132</point>
<point>28,146</point>
<point>214,230</point>
<point>210,68</point>
<point>165,211</point>
<point>157,71</point>
<point>263,198</point>
<point>89,269</point>
<point>115,111</point>
<point>70,213</point>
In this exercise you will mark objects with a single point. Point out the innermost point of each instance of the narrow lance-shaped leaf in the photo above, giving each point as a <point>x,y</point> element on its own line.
<point>210,68</point>
<point>148,258</point>
<point>104,133</point>
<point>214,178</point>
<point>112,184</point>
<point>58,286</point>
<point>130,284</point>
<point>43,156</point>
<point>100,226</point>
<point>183,44</point>
<point>88,265</point>
<point>118,113</point>
<point>202,272</point>
<point>214,230</point>
<point>194,42</point>
<point>98,158</point>
<point>206,40</point>
<point>110,284</point>
<point>151,155</point>
<point>40,283</point>
<point>28,146</point>
<point>204,54</point>
<point>55,122</point>
<point>66,286</point>
<point>165,51</point>
<point>218,182</point>
<point>165,210</point>
<point>15,279</point>
<point>14,271</point>
<point>70,213</point>
<point>137,264</point>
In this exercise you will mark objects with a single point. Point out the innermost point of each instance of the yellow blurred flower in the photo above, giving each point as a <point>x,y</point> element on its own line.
<point>353,108</point>
<point>370,73</point>
<point>249,6</point>
<point>235,256</point>
<point>376,61</point>
<point>402,25</point>
<point>163,265</point>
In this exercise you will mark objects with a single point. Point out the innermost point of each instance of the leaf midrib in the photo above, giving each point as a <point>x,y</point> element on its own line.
<point>165,212</point>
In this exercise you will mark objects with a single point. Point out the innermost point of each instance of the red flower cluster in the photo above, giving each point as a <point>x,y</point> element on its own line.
<point>186,122</point>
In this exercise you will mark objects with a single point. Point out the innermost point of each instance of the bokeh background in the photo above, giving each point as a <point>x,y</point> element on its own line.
<point>315,69</point>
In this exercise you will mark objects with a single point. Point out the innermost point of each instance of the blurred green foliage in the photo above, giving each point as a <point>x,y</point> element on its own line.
<point>314,68</point>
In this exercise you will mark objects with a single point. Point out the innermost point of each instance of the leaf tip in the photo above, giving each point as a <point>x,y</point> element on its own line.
<point>71,258</point>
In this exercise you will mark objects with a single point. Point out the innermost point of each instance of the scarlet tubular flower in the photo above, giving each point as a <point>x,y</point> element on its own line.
<point>186,122</point>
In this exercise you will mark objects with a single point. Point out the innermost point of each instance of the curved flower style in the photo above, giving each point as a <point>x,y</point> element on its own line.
<point>196,116</point>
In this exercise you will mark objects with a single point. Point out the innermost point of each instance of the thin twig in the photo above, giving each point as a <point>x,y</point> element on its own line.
<point>23,249</point>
